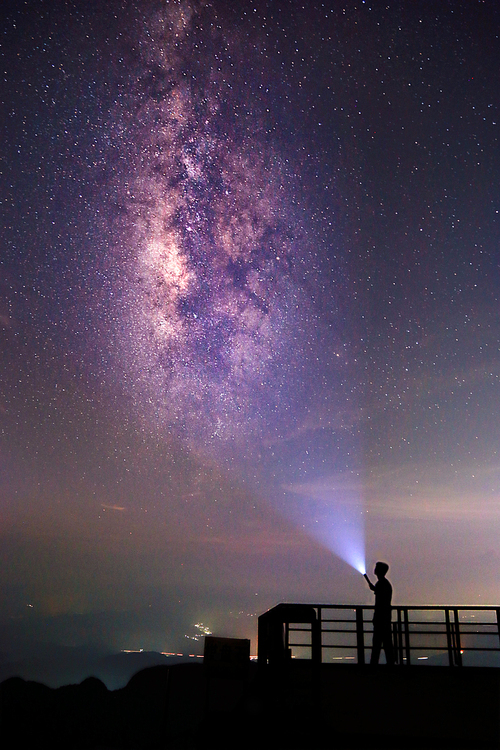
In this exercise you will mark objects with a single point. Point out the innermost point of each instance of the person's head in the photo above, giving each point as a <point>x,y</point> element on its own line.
<point>381,569</point>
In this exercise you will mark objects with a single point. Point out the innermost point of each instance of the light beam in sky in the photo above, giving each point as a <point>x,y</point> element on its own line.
<point>335,518</point>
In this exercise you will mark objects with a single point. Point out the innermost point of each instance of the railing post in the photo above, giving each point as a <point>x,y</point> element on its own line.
<point>457,638</point>
<point>360,639</point>
<point>407,636</point>
<point>449,638</point>
<point>286,638</point>
<point>397,638</point>
<point>316,639</point>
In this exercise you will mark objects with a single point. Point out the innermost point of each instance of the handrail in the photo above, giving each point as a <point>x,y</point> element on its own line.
<point>419,632</point>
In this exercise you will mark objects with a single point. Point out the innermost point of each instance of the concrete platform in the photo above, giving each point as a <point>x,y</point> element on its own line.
<point>434,706</point>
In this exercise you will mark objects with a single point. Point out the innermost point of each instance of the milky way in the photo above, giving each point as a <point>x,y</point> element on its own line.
<point>217,312</point>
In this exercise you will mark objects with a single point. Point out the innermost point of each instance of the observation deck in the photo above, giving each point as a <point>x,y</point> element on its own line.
<point>455,636</point>
<point>443,691</point>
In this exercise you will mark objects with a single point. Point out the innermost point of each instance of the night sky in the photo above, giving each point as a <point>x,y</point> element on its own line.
<point>249,312</point>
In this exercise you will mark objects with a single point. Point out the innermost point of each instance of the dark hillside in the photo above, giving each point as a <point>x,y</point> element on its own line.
<point>176,708</point>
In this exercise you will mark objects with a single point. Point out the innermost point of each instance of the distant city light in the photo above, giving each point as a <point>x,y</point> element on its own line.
<point>203,628</point>
<point>132,650</point>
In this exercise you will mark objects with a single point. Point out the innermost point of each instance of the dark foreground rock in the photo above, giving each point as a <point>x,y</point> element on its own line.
<point>161,707</point>
<point>183,706</point>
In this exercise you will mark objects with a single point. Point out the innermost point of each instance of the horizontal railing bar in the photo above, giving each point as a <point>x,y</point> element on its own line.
<point>432,632</point>
<point>442,648</point>
<point>334,630</point>
<point>440,632</point>
<point>413,632</point>
<point>353,632</point>
<point>443,622</point>
<point>482,626</point>
<point>325,630</point>
<point>422,608</point>
<point>299,630</point>
<point>429,648</point>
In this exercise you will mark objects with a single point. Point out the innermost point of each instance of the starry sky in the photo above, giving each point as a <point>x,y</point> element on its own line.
<point>249,312</point>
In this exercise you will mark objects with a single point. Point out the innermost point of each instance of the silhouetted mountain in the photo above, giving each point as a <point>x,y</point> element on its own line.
<point>57,666</point>
<point>160,707</point>
<point>115,670</point>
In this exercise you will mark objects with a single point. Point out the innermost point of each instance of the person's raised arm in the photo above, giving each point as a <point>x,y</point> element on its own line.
<point>370,584</point>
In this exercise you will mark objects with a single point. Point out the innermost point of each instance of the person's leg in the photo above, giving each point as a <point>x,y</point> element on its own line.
<point>388,645</point>
<point>376,646</point>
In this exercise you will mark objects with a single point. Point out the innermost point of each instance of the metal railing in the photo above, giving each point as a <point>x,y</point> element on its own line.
<point>328,633</point>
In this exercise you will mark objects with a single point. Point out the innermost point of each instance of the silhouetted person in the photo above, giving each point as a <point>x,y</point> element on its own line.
<point>382,628</point>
